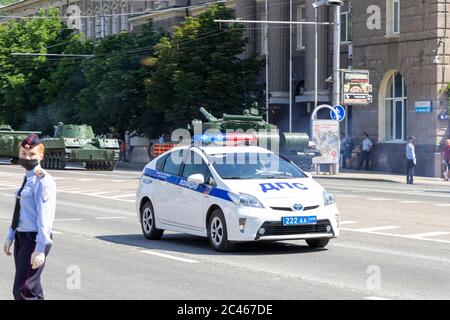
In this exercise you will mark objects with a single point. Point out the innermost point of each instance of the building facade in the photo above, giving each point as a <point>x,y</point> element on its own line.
<point>404,44</point>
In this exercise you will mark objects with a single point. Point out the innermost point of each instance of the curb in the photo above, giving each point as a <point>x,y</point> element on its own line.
<point>355,178</point>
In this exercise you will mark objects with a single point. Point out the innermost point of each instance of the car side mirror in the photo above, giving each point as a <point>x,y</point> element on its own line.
<point>212,182</point>
<point>308,174</point>
<point>197,178</point>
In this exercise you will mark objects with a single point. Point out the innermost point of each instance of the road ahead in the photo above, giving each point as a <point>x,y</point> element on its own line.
<point>394,244</point>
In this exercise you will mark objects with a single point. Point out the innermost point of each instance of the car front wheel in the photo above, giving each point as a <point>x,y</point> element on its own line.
<point>217,232</point>
<point>317,243</point>
<point>148,223</point>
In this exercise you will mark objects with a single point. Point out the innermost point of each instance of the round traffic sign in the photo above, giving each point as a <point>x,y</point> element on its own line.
<point>340,110</point>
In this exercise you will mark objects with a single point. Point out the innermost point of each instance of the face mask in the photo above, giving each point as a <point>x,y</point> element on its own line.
<point>28,164</point>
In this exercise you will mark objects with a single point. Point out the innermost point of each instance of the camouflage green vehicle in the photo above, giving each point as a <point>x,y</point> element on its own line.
<point>77,143</point>
<point>10,141</point>
<point>295,146</point>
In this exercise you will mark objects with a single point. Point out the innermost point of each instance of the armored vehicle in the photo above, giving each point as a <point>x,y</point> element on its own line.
<point>10,141</point>
<point>295,146</point>
<point>77,143</point>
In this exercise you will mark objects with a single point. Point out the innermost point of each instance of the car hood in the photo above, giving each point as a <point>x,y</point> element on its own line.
<point>278,189</point>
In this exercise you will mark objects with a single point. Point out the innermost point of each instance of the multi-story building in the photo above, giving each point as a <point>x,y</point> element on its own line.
<point>403,43</point>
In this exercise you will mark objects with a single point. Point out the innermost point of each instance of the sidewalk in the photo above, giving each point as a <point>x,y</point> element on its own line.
<point>346,174</point>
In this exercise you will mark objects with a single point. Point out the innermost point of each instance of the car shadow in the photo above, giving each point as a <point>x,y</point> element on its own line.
<point>189,244</point>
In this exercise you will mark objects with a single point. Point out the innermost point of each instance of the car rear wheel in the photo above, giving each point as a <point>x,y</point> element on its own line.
<point>217,232</point>
<point>317,243</point>
<point>148,223</point>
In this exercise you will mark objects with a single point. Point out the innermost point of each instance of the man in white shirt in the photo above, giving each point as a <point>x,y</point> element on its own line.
<point>367,146</point>
<point>410,160</point>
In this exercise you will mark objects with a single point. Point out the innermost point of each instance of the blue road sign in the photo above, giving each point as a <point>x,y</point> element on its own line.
<point>340,111</point>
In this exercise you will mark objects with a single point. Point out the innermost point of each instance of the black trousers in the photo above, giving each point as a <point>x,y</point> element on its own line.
<point>364,158</point>
<point>410,171</point>
<point>27,281</point>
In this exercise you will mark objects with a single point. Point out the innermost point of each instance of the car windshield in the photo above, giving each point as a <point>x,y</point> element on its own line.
<point>254,166</point>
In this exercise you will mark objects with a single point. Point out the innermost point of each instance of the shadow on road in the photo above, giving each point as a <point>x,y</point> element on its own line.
<point>188,244</point>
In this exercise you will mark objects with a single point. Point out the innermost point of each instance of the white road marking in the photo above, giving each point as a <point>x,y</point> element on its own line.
<point>442,204</point>
<point>379,199</point>
<point>411,201</point>
<point>396,235</point>
<point>375,298</point>
<point>106,218</point>
<point>124,196</point>
<point>83,180</point>
<point>56,232</point>
<point>373,229</point>
<point>390,252</point>
<point>347,196</point>
<point>428,234</point>
<point>100,193</point>
<point>162,255</point>
<point>64,220</point>
<point>347,222</point>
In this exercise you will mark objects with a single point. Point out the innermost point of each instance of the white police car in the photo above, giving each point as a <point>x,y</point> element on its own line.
<point>234,194</point>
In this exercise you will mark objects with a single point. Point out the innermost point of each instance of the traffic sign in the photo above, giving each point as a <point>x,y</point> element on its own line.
<point>340,110</point>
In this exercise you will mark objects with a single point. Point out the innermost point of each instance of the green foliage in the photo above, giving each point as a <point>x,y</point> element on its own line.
<point>113,95</point>
<point>21,77</point>
<point>149,82</point>
<point>200,66</point>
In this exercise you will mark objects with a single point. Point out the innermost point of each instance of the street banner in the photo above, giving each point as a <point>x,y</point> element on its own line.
<point>326,137</point>
<point>356,87</point>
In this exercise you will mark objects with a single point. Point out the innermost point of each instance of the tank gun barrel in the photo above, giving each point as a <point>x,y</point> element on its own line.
<point>209,117</point>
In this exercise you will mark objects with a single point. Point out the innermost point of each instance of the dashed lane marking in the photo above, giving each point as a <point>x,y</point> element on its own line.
<point>346,196</point>
<point>109,218</point>
<point>380,228</point>
<point>428,234</point>
<point>442,204</point>
<point>394,235</point>
<point>166,256</point>
<point>375,298</point>
<point>411,201</point>
<point>68,220</point>
<point>347,222</point>
<point>124,196</point>
<point>379,199</point>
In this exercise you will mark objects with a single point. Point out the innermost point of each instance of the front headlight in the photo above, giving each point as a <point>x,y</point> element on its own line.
<point>245,200</point>
<point>327,198</point>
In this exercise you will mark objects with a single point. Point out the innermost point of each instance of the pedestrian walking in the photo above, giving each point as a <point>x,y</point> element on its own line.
<point>446,158</point>
<point>347,154</point>
<point>367,146</point>
<point>122,150</point>
<point>31,227</point>
<point>410,160</point>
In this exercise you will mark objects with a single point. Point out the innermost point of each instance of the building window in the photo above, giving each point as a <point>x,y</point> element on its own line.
<point>123,18</point>
<point>301,17</point>
<point>90,26</point>
<point>392,17</point>
<point>346,26</point>
<point>395,108</point>
<point>115,20</point>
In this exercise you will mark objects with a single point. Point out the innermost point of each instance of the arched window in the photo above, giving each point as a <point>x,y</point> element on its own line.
<point>395,108</point>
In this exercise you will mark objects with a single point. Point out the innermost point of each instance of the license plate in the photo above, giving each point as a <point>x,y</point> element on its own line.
<point>293,221</point>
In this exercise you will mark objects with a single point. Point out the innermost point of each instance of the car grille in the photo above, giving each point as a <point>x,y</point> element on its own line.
<point>277,228</point>
<point>290,209</point>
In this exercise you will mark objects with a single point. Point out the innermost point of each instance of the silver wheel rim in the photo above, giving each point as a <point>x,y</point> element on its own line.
<point>216,231</point>
<point>147,220</point>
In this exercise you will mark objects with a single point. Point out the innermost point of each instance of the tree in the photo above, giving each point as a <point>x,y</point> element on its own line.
<point>200,65</point>
<point>113,94</point>
<point>21,77</point>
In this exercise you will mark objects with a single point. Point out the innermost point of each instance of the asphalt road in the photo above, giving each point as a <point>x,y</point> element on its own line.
<point>394,244</point>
